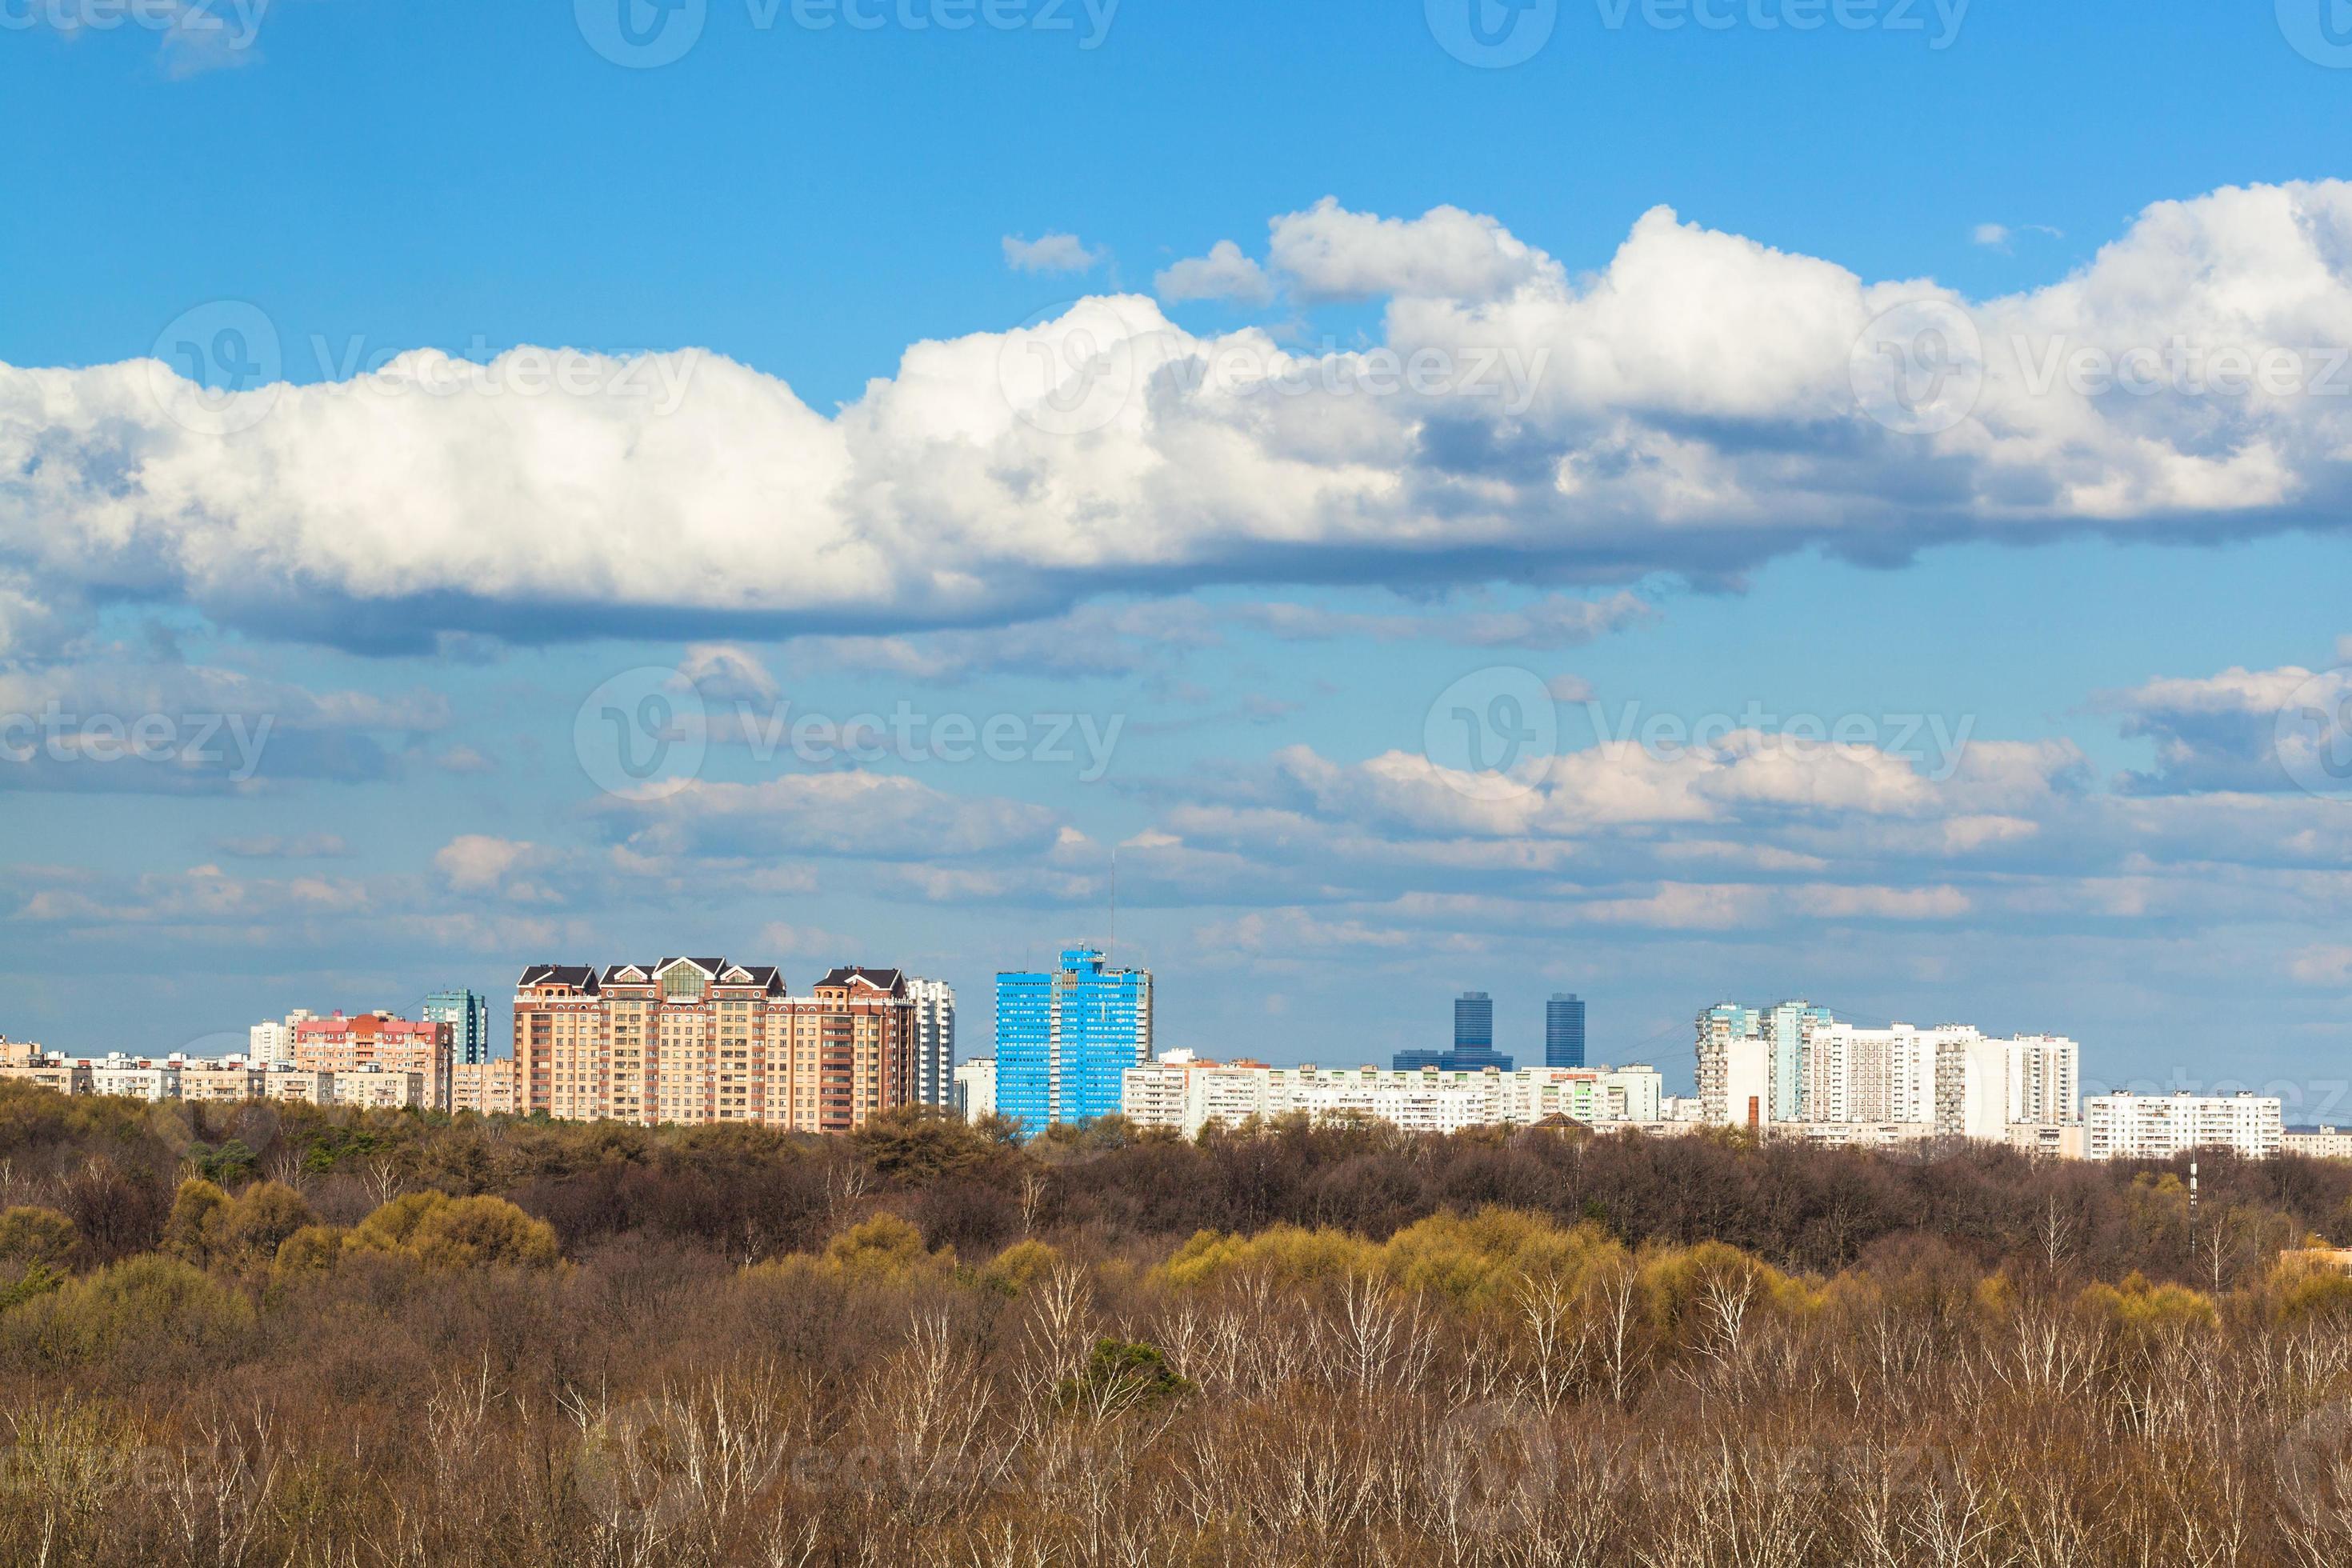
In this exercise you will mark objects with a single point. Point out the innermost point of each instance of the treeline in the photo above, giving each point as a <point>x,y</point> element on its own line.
<point>287,1336</point>
<point>748,1193</point>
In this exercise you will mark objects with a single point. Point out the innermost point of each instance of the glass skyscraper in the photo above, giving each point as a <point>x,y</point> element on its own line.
<point>1564,1030</point>
<point>1474,1041</point>
<point>1065,1035</point>
<point>1473,1022</point>
<point>467,1014</point>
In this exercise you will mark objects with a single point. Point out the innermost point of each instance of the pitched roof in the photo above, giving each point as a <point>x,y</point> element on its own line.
<point>579,976</point>
<point>892,981</point>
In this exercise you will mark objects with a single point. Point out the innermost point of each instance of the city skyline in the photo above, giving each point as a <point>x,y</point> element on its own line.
<point>1378,564</point>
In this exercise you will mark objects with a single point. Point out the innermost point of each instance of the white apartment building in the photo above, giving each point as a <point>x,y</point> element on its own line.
<point>2158,1126</point>
<point>2328,1143</point>
<point>230,1079</point>
<point>275,1042</point>
<point>976,1088</point>
<point>310,1086</point>
<point>935,1037</point>
<point>134,1078</point>
<point>1795,1063</point>
<point>1181,1092</point>
<point>373,1089</point>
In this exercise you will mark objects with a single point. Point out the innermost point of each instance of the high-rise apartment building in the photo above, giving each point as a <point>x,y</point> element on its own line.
<point>1564,1030</point>
<point>976,1088</point>
<point>700,1040</point>
<point>275,1042</point>
<point>383,1040</point>
<point>1065,1035</point>
<point>935,1047</point>
<point>1797,1064</point>
<point>467,1014</point>
<point>485,1087</point>
<point>1181,1092</point>
<point>2159,1126</point>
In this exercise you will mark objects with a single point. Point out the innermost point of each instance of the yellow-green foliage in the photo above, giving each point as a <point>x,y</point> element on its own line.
<point>208,1227</point>
<point>1483,1259</point>
<point>1019,1266</point>
<point>1676,1281</point>
<point>1287,1253</point>
<point>147,1297</point>
<point>883,1249</point>
<point>2302,1285</point>
<point>190,1231</point>
<point>313,1249</point>
<point>29,1234</point>
<point>254,1227</point>
<point>442,1232</point>
<point>2139,1307</point>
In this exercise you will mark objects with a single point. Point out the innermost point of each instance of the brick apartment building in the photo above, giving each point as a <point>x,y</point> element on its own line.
<point>378,1040</point>
<point>701,1040</point>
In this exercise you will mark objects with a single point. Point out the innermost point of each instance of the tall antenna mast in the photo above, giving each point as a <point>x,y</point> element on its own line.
<point>1112,957</point>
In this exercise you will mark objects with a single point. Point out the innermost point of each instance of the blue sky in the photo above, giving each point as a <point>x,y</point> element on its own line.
<point>1650,480</point>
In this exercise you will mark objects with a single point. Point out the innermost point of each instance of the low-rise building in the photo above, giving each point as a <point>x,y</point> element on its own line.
<point>2328,1143</point>
<point>305,1086</point>
<point>224,1082</point>
<point>2046,1143</point>
<point>135,1077</point>
<point>1849,1134</point>
<point>377,1089</point>
<point>485,1088</point>
<point>1186,1093</point>
<point>64,1077</point>
<point>2127,1126</point>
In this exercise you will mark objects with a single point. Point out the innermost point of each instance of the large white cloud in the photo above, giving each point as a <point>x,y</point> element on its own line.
<point>1691,407</point>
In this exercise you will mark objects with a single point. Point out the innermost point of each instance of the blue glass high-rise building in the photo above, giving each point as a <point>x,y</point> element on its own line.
<point>1474,1041</point>
<point>1473,1022</point>
<point>1564,1030</point>
<point>467,1014</point>
<point>1065,1036</point>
